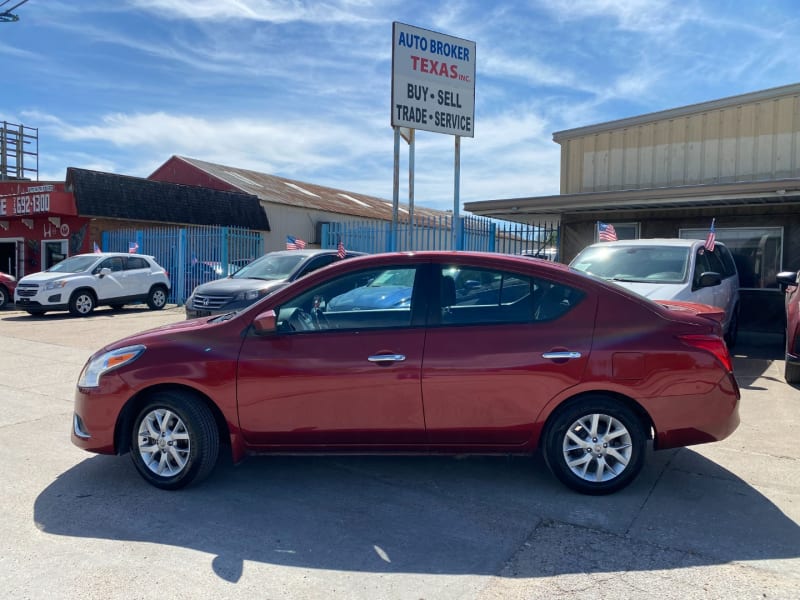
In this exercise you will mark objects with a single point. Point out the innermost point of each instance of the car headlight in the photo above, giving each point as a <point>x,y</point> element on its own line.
<point>57,284</point>
<point>249,295</point>
<point>108,361</point>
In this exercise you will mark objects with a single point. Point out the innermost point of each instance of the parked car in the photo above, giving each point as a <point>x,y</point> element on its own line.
<point>84,281</point>
<point>790,283</point>
<point>256,279</point>
<point>202,271</point>
<point>582,369</point>
<point>669,269</point>
<point>8,283</point>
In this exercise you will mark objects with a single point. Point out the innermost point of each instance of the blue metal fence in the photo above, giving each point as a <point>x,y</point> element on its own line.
<point>191,255</point>
<point>194,255</point>
<point>436,233</point>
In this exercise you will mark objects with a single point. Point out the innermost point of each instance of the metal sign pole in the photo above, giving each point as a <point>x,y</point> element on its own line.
<point>457,241</point>
<point>395,191</point>
<point>411,142</point>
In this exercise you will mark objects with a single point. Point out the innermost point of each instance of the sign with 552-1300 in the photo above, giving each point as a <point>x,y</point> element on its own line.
<point>433,81</point>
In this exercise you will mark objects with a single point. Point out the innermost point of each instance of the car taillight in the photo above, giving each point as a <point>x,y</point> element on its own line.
<point>713,344</point>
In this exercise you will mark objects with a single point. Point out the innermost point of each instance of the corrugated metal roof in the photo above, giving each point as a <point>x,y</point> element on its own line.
<point>280,190</point>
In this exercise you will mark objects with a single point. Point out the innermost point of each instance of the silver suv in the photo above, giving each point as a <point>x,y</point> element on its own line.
<point>669,269</point>
<point>84,281</point>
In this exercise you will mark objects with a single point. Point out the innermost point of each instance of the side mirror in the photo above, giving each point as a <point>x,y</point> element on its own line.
<point>104,271</point>
<point>710,279</point>
<point>787,278</point>
<point>265,322</point>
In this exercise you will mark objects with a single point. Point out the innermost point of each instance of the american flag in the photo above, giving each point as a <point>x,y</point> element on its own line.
<point>340,251</point>
<point>133,247</point>
<point>606,232</point>
<point>96,248</point>
<point>711,238</point>
<point>293,243</point>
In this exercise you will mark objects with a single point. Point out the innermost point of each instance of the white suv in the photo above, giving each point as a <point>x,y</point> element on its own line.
<point>82,282</point>
<point>669,269</point>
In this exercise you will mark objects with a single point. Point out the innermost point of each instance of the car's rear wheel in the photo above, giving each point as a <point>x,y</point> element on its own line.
<point>595,445</point>
<point>82,303</point>
<point>174,440</point>
<point>157,298</point>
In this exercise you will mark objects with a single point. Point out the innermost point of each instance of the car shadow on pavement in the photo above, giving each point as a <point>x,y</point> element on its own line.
<point>755,356</point>
<point>429,515</point>
<point>99,312</point>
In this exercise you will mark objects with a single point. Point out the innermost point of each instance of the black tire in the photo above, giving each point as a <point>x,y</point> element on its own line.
<point>82,303</point>
<point>3,296</point>
<point>35,313</point>
<point>733,329</point>
<point>187,458</point>
<point>117,306</point>
<point>791,372</point>
<point>157,298</point>
<point>590,455</point>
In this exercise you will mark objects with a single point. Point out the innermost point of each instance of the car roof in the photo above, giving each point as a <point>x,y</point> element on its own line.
<point>110,254</point>
<point>310,252</point>
<point>676,242</point>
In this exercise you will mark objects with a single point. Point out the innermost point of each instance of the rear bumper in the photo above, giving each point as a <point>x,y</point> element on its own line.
<point>698,418</point>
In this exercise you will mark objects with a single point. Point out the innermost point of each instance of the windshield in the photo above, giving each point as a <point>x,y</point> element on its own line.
<point>650,264</point>
<point>270,267</point>
<point>73,264</point>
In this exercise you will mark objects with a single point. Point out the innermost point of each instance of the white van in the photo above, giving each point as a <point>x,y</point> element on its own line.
<point>669,269</point>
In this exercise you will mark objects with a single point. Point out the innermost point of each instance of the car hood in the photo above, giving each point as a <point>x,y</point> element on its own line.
<point>164,332</point>
<point>654,291</point>
<point>372,297</point>
<point>234,286</point>
<point>43,276</point>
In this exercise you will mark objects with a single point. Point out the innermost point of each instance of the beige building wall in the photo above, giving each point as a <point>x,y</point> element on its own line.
<point>745,138</point>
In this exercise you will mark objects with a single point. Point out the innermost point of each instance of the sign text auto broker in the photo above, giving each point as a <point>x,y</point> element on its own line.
<point>433,81</point>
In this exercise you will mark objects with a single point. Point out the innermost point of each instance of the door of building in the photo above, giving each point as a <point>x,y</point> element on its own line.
<point>53,251</point>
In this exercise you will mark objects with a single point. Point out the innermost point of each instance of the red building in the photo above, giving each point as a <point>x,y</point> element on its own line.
<point>39,226</point>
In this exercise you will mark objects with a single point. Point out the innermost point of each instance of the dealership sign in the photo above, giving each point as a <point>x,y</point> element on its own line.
<point>433,81</point>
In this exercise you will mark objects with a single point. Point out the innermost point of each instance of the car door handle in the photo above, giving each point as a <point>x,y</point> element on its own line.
<point>387,358</point>
<point>562,355</point>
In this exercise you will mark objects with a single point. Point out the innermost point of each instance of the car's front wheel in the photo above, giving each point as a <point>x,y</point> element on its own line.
<point>82,303</point>
<point>594,445</point>
<point>3,296</point>
<point>157,298</point>
<point>174,440</point>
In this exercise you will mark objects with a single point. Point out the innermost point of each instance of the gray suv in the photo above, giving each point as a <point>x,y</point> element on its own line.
<point>257,279</point>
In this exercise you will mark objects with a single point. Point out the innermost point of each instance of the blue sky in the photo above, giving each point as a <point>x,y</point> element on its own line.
<point>303,89</point>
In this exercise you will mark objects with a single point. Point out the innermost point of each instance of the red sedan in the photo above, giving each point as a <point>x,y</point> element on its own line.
<point>491,354</point>
<point>8,283</point>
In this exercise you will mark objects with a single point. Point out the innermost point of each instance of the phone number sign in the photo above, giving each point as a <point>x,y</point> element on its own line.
<point>433,81</point>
